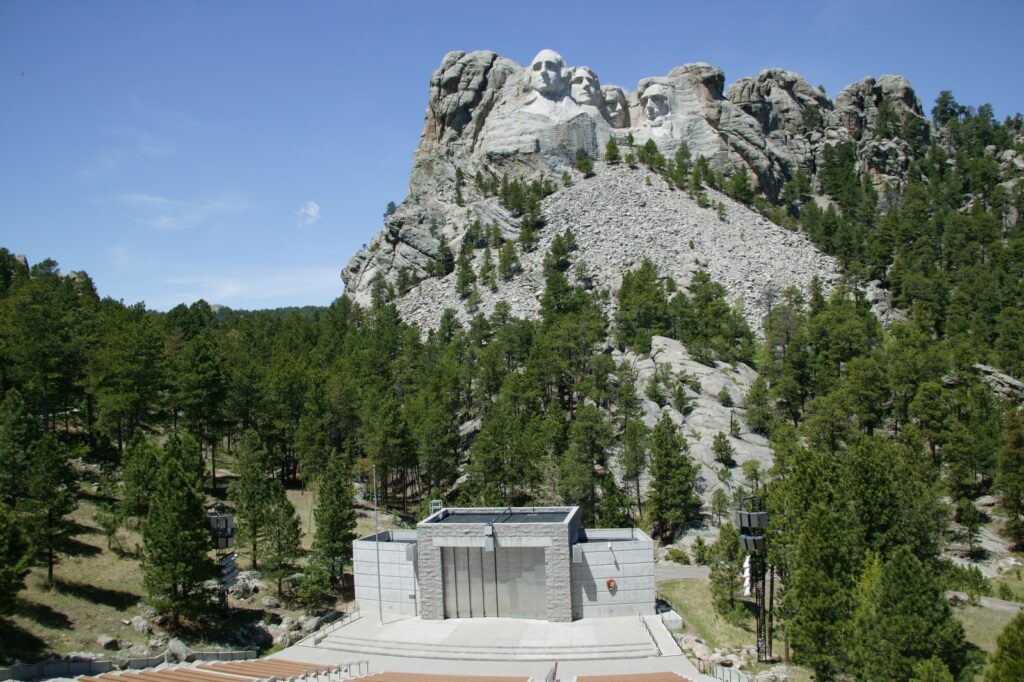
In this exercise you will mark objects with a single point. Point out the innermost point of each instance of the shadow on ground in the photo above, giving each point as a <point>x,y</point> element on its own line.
<point>18,644</point>
<point>118,599</point>
<point>44,615</point>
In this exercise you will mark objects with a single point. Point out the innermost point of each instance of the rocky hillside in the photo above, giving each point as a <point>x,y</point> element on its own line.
<point>487,117</point>
<point>622,216</point>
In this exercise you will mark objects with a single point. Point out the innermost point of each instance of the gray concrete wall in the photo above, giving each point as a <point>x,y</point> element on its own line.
<point>553,537</point>
<point>398,587</point>
<point>623,555</point>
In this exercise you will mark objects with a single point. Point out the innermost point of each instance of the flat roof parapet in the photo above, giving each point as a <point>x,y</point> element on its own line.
<point>500,515</point>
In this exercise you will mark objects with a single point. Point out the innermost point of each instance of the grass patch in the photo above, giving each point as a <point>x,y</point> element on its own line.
<point>94,591</point>
<point>691,599</point>
<point>982,626</point>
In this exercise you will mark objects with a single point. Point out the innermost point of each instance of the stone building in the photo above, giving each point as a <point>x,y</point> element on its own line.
<point>512,562</point>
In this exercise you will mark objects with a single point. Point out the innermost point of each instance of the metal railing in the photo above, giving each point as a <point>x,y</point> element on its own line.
<point>338,623</point>
<point>720,672</point>
<point>650,634</point>
<point>56,667</point>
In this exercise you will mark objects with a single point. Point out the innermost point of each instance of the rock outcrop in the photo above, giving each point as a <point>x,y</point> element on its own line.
<point>486,115</point>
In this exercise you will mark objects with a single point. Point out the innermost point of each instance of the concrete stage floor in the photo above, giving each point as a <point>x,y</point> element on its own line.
<point>500,646</point>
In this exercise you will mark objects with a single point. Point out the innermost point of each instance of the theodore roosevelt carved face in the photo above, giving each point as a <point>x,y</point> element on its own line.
<point>615,105</point>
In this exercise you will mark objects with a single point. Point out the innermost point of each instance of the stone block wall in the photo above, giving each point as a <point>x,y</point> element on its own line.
<point>555,538</point>
<point>398,585</point>
<point>623,555</point>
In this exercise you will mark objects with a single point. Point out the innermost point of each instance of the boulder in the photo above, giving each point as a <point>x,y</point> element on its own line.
<point>141,625</point>
<point>158,641</point>
<point>270,602</point>
<point>107,642</point>
<point>178,652</point>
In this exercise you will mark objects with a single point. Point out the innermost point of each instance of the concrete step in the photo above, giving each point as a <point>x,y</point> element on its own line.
<point>663,639</point>
<point>339,638</point>
<point>489,653</point>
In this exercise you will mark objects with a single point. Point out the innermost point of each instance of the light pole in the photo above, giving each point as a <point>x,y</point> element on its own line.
<point>376,546</point>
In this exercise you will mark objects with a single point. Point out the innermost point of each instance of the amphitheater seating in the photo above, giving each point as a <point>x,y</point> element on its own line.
<point>635,677</point>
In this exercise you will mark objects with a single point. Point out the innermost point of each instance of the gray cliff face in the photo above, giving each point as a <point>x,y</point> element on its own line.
<point>487,114</point>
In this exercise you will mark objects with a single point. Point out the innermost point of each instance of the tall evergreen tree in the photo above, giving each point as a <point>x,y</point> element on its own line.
<point>634,458</point>
<point>283,533</point>
<point>820,592</point>
<point>17,432</point>
<point>589,439</point>
<point>52,496</point>
<point>177,541</point>
<point>1007,663</point>
<point>335,517</point>
<point>673,501</point>
<point>15,557</point>
<point>1010,475</point>
<point>726,576</point>
<point>904,619</point>
<point>252,493</point>
<point>139,463</point>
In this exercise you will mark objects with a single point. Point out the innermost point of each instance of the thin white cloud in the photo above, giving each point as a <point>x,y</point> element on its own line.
<point>164,213</point>
<point>121,256</point>
<point>258,288</point>
<point>309,213</point>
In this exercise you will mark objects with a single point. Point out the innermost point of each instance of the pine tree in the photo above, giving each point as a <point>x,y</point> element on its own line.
<point>138,464</point>
<point>589,439</point>
<point>584,164</point>
<point>1007,663</point>
<point>673,501</point>
<point>820,590</point>
<point>613,507</point>
<point>335,517</point>
<point>488,275</point>
<point>52,496</point>
<point>1010,475</point>
<point>723,450</point>
<point>726,577</point>
<point>465,278</point>
<point>444,262</point>
<point>932,670</point>
<point>251,494</point>
<point>176,542</point>
<point>634,457</point>
<point>508,261</point>
<point>17,432</point>
<point>611,152</point>
<point>905,619</point>
<point>739,186</point>
<point>15,557</point>
<point>283,533</point>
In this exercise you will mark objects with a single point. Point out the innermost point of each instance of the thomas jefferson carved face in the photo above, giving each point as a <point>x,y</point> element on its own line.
<point>547,73</point>
<point>655,102</point>
<point>584,87</point>
<point>615,104</point>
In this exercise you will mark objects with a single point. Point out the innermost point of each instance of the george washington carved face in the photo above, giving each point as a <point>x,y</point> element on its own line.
<point>547,74</point>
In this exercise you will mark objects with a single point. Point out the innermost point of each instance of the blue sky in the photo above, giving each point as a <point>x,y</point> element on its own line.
<point>242,151</point>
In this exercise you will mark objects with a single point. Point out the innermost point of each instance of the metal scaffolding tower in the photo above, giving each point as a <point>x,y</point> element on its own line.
<point>752,522</point>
